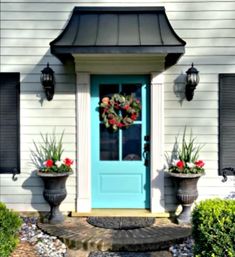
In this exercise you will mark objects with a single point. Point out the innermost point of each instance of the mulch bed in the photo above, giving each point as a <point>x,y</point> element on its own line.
<point>24,249</point>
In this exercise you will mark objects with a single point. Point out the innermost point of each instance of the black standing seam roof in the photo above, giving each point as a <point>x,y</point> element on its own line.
<point>119,30</point>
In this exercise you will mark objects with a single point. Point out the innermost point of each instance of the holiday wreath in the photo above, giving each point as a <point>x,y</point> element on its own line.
<point>119,111</point>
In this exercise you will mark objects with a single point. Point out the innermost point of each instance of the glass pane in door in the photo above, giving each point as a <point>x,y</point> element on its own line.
<point>109,144</point>
<point>133,90</point>
<point>131,143</point>
<point>108,90</point>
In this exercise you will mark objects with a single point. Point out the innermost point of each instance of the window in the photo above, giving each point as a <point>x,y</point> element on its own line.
<point>9,123</point>
<point>226,122</point>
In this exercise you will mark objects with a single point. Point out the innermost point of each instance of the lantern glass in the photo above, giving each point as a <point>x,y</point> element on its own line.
<point>48,82</point>
<point>47,76</point>
<point>193,79</point>
<point>192,76</point>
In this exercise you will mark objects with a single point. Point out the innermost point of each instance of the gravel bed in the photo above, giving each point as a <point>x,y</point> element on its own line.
<point>50,246</point>
<point>183,250</point>
<point>45,245</point>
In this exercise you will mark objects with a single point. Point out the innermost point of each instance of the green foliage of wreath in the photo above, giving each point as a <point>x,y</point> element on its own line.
<point>119,111</point>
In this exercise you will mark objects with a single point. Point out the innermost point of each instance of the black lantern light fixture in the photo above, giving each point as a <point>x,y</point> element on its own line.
<point>192,80</point>
<point>48,82</point>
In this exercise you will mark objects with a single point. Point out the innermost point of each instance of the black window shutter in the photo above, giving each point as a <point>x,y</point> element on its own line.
<point>9,123</point>
<point>227,123</point>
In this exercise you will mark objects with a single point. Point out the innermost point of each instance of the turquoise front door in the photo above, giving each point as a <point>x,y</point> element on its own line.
<point>120,160</point>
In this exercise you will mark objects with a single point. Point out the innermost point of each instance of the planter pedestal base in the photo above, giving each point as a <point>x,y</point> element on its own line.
<point>185,216</point>
<point>186,194</point>
<point>55,215</point>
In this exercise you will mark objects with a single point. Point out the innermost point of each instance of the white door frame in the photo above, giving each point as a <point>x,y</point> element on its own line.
<point>87,65</point>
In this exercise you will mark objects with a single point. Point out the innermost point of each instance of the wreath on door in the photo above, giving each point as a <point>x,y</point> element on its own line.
<point>119,111</point>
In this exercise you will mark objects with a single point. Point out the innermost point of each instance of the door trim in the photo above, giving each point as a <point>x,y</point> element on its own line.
<point>83,178</point>
<point>157,197</point>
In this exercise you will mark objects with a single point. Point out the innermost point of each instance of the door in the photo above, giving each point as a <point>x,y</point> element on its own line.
<point>120,159</point>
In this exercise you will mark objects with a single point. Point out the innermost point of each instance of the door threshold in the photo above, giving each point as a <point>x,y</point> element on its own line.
<point>121,213</point>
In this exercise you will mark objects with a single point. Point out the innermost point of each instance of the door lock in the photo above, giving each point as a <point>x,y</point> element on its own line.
<point>146,154</point>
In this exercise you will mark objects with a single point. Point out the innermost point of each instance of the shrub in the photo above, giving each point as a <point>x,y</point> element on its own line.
<point>214,228</point>
<point>10,222</point>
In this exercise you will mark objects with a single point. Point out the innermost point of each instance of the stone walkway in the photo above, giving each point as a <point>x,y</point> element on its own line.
<point>79,236</point>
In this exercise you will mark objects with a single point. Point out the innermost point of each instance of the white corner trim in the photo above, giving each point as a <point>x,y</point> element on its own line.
<point>83,200</point>
<point>157,143</point>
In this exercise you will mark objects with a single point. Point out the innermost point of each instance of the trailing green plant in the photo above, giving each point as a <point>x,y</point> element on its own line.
<point>10,223</point>
<point>47,156</point>
<point>214,228</point>
<point>186,159</point>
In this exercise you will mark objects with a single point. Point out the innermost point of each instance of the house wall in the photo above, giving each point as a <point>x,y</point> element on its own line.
<point>27,27</point>
<point>209,34</point>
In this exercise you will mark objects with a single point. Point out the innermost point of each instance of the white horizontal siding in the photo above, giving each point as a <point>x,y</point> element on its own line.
<point>64,15</point>
<point>59,6</point>
<point>27,68</point>
<point>34,181</point>
<point>68,146</point>
<point>47,129</point>
<point>27,27</point>
<point>65,207</point>
<point>18,51</point>
<point>25,49</point>
<point>23,190</point>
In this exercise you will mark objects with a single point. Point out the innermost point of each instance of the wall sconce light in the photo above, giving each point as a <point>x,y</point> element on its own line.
<point>192,80</point>
<point>48,82</point>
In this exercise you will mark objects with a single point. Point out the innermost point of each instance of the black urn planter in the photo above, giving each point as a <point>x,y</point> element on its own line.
<point>54,193</point>
<point>187,193</point>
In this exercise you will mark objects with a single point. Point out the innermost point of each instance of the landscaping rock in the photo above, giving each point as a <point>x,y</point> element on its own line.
<point>45,245</point>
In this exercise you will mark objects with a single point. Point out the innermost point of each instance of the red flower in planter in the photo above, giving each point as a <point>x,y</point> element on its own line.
<point>68,162</point>
<point>199,163</point>
<point>180,165</point>
<point>48,163</point>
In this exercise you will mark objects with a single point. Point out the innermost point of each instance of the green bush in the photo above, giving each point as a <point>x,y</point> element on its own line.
<point>10,223</point>
<point>214,228</point>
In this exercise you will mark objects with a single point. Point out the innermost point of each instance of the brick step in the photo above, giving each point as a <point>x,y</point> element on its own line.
<point>77,234</point>
<point>131,254</point>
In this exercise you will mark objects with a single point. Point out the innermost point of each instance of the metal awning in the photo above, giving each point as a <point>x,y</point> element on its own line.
<point>115,30</point>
